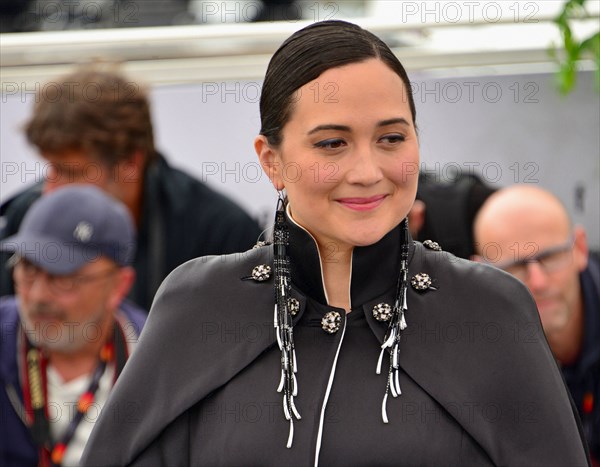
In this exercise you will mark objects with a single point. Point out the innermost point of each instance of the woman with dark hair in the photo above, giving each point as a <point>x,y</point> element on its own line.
<point>343,342</point>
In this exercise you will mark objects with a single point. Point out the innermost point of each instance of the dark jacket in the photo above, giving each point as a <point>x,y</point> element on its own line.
<point>479,383</point>
<point>17,447</point>
<point>182,219</point>
<point>583,377</point>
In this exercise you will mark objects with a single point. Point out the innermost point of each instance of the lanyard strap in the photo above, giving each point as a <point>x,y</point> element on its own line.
<point>35,394</point>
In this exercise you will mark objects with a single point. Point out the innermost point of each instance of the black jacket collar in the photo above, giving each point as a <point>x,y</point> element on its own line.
<point>375,268</point>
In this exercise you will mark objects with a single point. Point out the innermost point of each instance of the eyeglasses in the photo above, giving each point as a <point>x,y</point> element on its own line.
<point>26,273</point>
<point>551,260</point>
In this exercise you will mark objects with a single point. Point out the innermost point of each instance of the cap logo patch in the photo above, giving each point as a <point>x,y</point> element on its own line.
<point>83,232</point>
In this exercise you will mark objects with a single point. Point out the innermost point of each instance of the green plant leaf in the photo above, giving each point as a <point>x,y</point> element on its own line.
<point>566,75</point>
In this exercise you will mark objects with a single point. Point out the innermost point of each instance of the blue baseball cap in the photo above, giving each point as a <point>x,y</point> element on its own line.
<point>72,226</point>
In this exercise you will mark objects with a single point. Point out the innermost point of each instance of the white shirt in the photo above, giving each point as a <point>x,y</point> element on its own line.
<point>62,408</point>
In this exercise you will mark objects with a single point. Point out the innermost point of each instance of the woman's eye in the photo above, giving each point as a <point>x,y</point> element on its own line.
<point>392,139</point>
<point>330,144</point>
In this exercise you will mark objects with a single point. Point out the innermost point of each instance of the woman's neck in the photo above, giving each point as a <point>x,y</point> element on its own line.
<point>336,277</point>
<point>336,268</point>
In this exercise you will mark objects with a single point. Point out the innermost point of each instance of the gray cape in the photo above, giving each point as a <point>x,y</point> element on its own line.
<point>479,383</point>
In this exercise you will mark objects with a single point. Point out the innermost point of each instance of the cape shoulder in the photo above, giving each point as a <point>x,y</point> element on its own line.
<point>476,344</point>
<point>193,342</point>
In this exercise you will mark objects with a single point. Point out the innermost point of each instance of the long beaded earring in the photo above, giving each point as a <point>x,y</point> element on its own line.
<point>282,319</point>
<point>391,341</point>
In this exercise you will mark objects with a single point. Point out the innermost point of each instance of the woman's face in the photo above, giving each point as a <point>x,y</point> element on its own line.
<point>349,155</point>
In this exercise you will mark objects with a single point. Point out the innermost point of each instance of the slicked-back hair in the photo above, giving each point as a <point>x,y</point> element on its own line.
<point>307,54</point>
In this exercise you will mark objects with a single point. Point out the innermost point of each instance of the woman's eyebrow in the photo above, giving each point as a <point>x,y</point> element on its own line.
<point>393,121</point>
<point>329,126</point>
<point>333,126</point>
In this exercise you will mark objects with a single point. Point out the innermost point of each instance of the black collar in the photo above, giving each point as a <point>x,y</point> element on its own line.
<point>375,268</point>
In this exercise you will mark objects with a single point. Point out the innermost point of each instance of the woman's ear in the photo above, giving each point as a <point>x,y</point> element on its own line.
<point>270,161</point>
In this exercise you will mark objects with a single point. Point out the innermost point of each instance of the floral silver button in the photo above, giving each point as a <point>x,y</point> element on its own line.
<point>382,312</point>
<point>435,246</point>
<point>261,272</point>
<point>421,281</point>
<point>331,322</point>
<point>294,306</point>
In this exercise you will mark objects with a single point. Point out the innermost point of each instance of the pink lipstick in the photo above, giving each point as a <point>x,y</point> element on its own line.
<point>362,204</point>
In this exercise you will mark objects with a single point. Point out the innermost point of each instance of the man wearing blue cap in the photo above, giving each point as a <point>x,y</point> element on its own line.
<point>68,331</point>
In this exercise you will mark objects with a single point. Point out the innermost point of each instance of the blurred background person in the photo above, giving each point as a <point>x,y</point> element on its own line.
<point>67,333</point>
<point>444,210</point>
<point>526,231</point>
<point>96,128</point>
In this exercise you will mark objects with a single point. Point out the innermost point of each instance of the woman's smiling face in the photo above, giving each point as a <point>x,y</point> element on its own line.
<point>349,155</point>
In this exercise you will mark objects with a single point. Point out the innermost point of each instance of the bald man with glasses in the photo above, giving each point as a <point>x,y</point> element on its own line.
<point>526,231</point>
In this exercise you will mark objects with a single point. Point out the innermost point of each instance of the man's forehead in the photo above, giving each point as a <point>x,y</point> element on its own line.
<point>89,266</point>
<point>522,243</point>
<point>70,158</point>
<point>516,213</point>
<point>98,262</point>
<point>75,168</point>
